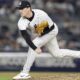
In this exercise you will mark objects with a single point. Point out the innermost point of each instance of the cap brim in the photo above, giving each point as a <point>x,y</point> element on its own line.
<point>19,7</point>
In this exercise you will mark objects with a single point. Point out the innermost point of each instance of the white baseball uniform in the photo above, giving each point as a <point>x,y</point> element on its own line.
<point>48,40</point>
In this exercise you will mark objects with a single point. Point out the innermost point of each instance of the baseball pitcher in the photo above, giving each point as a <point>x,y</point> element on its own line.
<point>45,30</point>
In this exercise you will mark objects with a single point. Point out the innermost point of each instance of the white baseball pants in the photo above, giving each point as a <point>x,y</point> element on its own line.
<point>50,42</point>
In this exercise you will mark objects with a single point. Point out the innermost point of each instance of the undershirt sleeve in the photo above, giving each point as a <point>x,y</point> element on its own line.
<point>26,36</point>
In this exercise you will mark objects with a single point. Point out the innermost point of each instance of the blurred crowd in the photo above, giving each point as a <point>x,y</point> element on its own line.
<point>66,13</point>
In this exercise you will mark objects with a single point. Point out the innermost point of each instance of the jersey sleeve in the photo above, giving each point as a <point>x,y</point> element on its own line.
<point>23,24</point>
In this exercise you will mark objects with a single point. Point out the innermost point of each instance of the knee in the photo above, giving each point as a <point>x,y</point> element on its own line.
<point>36,43</point>
<point>58,54</point>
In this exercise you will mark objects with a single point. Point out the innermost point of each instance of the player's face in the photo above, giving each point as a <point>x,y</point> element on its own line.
<point>25,12</point>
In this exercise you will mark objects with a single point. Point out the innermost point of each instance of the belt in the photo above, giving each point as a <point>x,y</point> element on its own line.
<point>47,30</point>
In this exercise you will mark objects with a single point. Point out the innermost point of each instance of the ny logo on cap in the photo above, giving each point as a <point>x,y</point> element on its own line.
<point>19,3</point>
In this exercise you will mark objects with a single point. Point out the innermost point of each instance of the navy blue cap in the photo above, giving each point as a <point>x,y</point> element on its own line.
<point>23,4</point>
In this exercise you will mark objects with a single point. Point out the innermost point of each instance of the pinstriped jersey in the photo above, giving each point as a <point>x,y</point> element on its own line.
<point>37,24</point>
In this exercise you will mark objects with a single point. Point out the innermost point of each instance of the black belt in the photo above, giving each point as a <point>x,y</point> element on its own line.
<point>47,30</point>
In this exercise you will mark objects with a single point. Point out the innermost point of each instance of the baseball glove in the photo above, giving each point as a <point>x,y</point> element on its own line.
<point>41,27</point>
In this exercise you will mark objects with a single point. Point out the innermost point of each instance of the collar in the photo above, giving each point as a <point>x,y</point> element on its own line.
<point>31,18</point>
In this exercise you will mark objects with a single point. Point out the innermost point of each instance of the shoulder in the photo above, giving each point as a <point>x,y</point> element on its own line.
<point>38,11</point>
<point>23,23</point>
